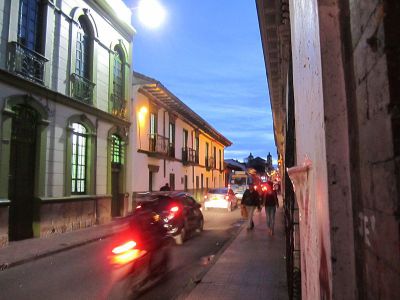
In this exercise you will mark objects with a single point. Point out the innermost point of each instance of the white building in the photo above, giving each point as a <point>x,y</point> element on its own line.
<point>65,76</point>
<point>171,143</point>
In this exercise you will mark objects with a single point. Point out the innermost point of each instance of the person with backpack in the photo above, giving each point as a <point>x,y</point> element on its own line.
<point>270,200</point>
<point>251,199</point>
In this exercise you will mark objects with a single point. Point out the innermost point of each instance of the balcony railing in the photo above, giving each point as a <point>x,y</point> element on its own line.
<point>158,144</point>
<point>26,63</point>
<point>189,155</point>
<point>82,89</point>
<point>118,106</point>
<point>210,163</point>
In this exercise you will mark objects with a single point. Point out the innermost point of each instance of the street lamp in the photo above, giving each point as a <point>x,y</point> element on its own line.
<point>151,13</point>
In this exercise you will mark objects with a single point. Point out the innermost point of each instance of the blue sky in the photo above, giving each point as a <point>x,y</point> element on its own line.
<point>208,53</point>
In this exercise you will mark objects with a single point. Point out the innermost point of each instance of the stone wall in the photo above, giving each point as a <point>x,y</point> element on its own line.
<point>64,216</point>
<point>3,225</point>
<point>376,227</point>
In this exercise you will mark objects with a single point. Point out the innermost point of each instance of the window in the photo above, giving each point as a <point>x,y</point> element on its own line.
<point>116,149</point>
<point>79,159</point>
<point>196,147</point>
<point>185,138</point>
<point>171,140</point>
<point>29,24</point>
<point>83,49</point>
<point>206,163</point>
<point>153,131</point>
<point>220,160</point>
<point>215,158</point>
<point>153,125</point>
<point>118,97</point>
<point>118,82</point>
<point>81,81</point>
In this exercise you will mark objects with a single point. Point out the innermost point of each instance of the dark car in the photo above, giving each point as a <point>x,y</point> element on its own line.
<point>179,212</point>
<point>139,254</point>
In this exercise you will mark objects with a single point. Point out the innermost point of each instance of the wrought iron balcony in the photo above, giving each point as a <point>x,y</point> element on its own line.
<point>210,163</point>
<point>26,63</point>
<point>158,144</point>
<point>82,88</point>
<point>188,155</point>
<point>118,106</point>
<point>171,150</point>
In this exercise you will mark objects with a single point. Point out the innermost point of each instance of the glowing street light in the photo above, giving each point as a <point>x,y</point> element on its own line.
<point>151,13</point>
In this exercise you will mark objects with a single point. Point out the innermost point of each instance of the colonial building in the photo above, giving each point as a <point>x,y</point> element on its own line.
<point>333,74</point>
<point>171,143</point>
<point>64,80</point>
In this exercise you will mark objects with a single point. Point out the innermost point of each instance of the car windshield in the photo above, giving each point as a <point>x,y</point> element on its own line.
<point>218,191</point>
<point>239,180</point>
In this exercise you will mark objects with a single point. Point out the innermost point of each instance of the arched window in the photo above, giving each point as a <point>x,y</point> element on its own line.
<point>118,97</point>
<point>83,49</point>
<point>79,159</point>
<point>82,85</point>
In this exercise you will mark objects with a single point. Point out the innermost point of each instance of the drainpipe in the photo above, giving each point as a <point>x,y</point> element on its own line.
<point>164,166</point>
<point>95,176</point>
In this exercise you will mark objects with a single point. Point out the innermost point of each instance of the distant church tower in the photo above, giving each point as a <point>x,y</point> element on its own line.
<point>268,166</point>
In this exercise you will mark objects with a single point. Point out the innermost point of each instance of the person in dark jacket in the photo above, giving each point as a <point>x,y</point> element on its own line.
<point>270,200</point>
<point>251,199</point>
<point>165,187</point>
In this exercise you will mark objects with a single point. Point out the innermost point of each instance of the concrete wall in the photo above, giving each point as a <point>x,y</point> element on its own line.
<point>376,227</point>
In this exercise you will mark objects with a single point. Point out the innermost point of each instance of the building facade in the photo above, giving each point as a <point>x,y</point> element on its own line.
<point>172,144</point>
<point>333,76</point>
<point>64,84</point>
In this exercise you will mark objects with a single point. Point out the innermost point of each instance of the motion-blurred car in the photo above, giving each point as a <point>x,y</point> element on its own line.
<point>220,198</point>
<point>179,212</point>
<point>139,254</point>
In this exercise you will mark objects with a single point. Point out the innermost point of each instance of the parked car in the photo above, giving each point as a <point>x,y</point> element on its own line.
<point>139,254</point>
<point>179,212</point>
<point>220,198</point>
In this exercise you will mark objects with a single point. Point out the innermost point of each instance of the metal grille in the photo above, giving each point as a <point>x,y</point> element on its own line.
<point>26,63</point>
<point>116,150</point>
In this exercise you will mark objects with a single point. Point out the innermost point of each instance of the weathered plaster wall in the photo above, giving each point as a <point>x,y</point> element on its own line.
<point>334,26</point>
<point>310,142</point>
<point>376,228</point>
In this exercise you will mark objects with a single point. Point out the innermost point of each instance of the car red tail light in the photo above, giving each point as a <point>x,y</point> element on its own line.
<point>174,209</point>
<point>126,253</point>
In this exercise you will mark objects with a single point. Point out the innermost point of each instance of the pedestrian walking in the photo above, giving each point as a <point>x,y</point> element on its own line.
<point>165,187</point>
<point>251,199</point>
<point>270,200</point>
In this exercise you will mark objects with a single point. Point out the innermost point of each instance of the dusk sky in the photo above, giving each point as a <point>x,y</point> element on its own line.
<point>208,53</point>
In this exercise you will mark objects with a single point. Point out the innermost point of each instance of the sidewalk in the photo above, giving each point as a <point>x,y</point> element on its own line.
<point>20,252</point>
<point>252,267</point>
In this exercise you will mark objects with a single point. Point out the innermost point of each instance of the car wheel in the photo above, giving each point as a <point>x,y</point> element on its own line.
<point>201,226</point>
<point>180,238</point>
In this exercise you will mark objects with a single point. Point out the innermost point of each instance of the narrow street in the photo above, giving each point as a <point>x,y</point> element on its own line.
<point>83,272</point>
